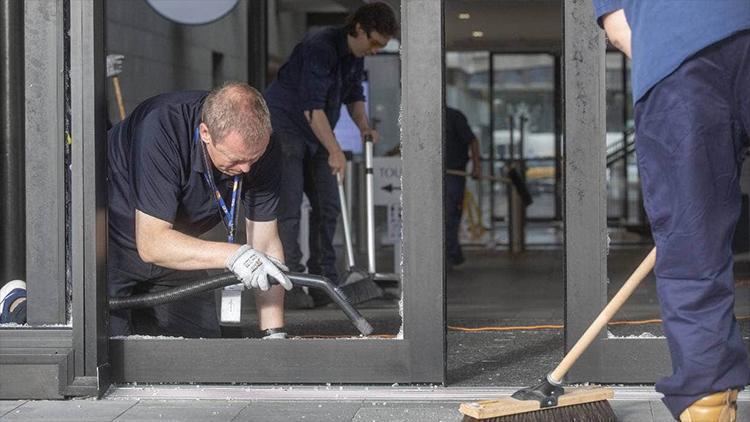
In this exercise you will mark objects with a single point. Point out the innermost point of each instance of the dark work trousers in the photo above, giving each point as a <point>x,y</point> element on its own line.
<point>454,205</point>
<point>194,316</point>
<point>305,170</point>
<point>691,134</point>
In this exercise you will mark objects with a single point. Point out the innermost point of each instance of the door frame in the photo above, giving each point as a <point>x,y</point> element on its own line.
<point>418,354</point>
<point>607,360</point>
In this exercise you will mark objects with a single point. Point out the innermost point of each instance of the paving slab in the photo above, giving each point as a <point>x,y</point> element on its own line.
<point>183,410</point>
<point>8,405</point>
<point>71,410</point>
<point>660,412</point>
<point>636,411</point>
<point>326,411</point>
<point>408,412</point>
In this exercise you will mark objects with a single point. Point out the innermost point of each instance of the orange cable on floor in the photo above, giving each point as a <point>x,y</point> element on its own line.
<point>499,328</point>
<point>558,326</point>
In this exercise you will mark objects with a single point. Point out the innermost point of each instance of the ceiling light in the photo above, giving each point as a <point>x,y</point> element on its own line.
<point>464,16</point>
<point>477,34</point>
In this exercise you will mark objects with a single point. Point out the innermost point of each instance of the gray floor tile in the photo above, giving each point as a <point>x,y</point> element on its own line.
<point>660,412</point>
<point>743,411</point>
<point>632,411</point>
<point>71,410</point>
<point>183,410</point>
<point>408,412</point>
<point>8,405</point>
<point>299,412</point>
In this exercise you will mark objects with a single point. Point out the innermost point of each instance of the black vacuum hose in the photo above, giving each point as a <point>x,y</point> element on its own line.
<point>149,300</point>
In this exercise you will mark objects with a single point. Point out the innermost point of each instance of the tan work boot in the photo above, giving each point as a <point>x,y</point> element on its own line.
<point>717,407</point>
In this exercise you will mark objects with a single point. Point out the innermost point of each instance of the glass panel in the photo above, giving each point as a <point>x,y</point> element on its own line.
<point>628,225</point>
<point>467,89</point>
<point>630,238</point>
<point>523,107</point>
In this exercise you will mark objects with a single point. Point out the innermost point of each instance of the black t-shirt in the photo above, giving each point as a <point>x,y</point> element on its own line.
<point>156,165</point>
<point>458,136</point>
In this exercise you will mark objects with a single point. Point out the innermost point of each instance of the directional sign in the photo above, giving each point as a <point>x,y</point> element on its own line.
<point>387,180</point>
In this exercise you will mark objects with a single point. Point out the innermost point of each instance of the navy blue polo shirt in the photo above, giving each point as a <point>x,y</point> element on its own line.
<point>156,166</point>
<point>321,74</point>
<point>458,136</point>
<point>666,32</point>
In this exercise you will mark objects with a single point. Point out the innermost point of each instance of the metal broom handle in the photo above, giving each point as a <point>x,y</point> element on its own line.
<point>370,205</point>
<point>345,218</point>
<point>604,317</point>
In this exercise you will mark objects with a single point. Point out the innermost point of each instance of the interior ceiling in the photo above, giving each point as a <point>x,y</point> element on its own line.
<point>506,25</point>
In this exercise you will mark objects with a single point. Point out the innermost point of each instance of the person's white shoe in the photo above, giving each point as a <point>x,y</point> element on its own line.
<point>274,334</point>
<point>11,292</point>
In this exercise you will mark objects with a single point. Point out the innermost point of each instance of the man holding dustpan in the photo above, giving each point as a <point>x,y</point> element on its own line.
<point>691,96</point>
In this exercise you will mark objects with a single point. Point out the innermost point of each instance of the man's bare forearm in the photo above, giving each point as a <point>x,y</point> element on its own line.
<point>618,31</point>
<point>171,249</point>
<point>321,127</point>
<point>264,236</point>
<point>475,155</point>
<point>359,115</point>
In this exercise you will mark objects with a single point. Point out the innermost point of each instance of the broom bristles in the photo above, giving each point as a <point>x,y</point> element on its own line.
<point>597,411</point>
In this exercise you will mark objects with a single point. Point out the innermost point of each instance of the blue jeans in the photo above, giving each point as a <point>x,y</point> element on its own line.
<point>306,170</point>
<point>691,135</point>
<point>454,204</point>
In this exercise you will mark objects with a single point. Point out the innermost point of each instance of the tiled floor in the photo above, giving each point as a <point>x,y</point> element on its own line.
<point>120,406</point>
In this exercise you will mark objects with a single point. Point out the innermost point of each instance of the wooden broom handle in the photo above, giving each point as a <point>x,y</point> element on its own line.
<point>604,317</point>
<point>118,96</point>
<point>465,174</point>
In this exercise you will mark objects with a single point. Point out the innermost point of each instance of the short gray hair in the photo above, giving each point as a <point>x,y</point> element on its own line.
<point>237,107</point>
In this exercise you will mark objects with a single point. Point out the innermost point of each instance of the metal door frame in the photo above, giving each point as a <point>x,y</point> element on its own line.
<point>608,360</point>
<point>419,356</point>
<point>49,358</point>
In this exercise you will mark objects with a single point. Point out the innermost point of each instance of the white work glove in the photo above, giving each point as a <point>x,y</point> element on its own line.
<point>254,267</point>
<point>114,64</point>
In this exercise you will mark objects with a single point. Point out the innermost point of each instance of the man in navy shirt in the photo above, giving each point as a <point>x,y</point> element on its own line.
<point>691,90</point>
<point>324,71</point>
<point>177,166</point>
<point>459,140</point>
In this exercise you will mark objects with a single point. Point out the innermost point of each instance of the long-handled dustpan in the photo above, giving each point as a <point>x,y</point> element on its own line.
<point>357,285</point>
<point>548,396</point>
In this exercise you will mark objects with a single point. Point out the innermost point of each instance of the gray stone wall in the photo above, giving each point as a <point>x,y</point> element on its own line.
<point>162,56</point>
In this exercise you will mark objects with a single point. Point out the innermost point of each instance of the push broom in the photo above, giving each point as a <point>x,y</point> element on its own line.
<point>548,401</point>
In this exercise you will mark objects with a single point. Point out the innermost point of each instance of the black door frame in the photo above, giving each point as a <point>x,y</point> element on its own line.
<point>608,360</point>
<point>418,355</point>
<point>58,355</point>
<point>65,360</point>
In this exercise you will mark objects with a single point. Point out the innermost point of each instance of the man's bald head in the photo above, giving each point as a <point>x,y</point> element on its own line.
<point>237,107</point>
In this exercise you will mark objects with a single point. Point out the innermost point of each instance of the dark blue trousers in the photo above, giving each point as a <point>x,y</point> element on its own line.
<point>454,204</point>
<point>691,134</point>
<point>194,316</point>
<point>306,170</point>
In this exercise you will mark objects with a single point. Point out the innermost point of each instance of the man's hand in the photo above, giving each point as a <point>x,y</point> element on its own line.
<point>114,64</point>
<point>253,268</point>
<point>476,172</point>
<point>372,132</point>
<point>618,31</point>
<point>337,161</point>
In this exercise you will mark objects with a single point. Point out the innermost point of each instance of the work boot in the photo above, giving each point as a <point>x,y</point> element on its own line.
<point>717,407</point>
